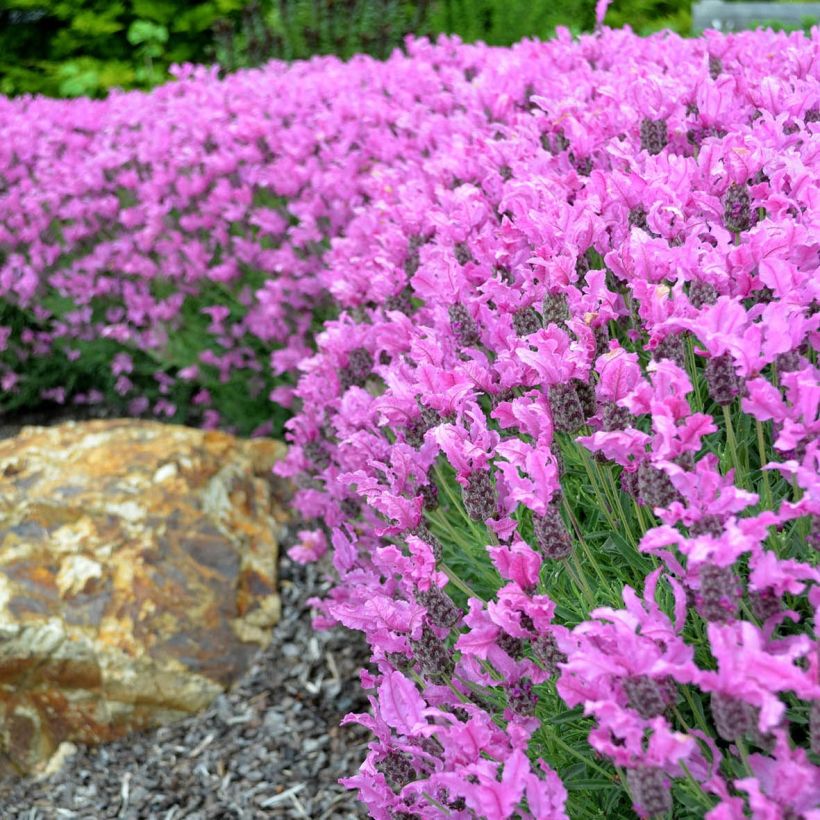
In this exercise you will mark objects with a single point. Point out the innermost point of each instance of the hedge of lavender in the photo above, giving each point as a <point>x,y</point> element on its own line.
<point>559,431</point>
<point>159,253</point>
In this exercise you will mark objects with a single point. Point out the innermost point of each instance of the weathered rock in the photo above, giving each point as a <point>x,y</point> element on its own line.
<point>137,578</point>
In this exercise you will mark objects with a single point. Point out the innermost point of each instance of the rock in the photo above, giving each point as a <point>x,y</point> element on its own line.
<point>65,751</point>
<point>137,578</point>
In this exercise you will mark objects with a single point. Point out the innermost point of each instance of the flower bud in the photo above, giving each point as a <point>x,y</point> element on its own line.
<point>671,347</point>
<point>429,495</point>
<point>417,427</point>
<point>737,212</point>
<point>601,339</point>
<point>765,604</point>
<point>513,646</point>
<point>616,418</point>
<point>653,135</point>
<point>708,525</point>
<point>567,412</point>
<point>551,535</point>
<point>315,452</point>
<point>479,496</point>
<point>655,487</point>
<point>718,599</point>
<point>521,698</point>
<point>464,326</point>
<point>637,218</point>
<point>441,611</point>
<point>546,651</point>
<point>702,293</point>
<point>423,533</point>
<point>398,769</point>
<point>733,717</point>
<point>401,301</point>
<point>647,696</point>
<point>788,362</point>
<point>586,395</point>
<point>358,369</point>
<point>651,790</point>
<point>582,165</point>
<point>351,507</point>
<point>463,253</point>
<point>433,657</point>
<point>555,309</point>
<point>526,320</point>
<point>722,381</point>
<point>630,484</point>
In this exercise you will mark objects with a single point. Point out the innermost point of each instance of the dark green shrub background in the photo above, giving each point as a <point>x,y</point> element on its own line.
<point>83,47</point>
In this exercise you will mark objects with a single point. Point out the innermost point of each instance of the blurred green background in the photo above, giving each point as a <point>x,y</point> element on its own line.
<point>83,47</point>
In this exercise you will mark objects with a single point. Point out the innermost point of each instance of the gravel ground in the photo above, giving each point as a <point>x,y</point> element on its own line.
<point>270,747</point>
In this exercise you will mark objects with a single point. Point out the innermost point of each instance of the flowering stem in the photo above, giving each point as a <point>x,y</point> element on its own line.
<point>696,712</point>
<point>450,685</point>
<point>611,492</point>
<point>699,793</point>
<point>456,581</point>
<point>796,489</point>
<point>577,574</point>
<point>583,758</point>
<point>732,443</point>
<point>744,608</point>
<point>744,755</point>
<point>445,485</point>
<point>642,522</point>
<point>681,719</point>
<point>442,522</point>
<point>578,534</point>
<point>617,496</point>
<point>435,803</point>
<point>697,789</point>
<point>693,375</point>
<point>596,489</point>
<point>487,573</point>
<point>761,450</point>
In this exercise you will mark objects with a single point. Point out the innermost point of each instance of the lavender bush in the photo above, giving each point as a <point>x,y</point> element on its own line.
<point>558,424</point>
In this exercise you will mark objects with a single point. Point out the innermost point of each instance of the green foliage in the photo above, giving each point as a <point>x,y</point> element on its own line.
<point>502,22</point>
<point>298,29</point>
<point>84,47</point>
<point>242,400</point>
<point>647,16</point>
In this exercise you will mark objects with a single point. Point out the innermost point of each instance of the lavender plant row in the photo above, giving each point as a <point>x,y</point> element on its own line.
<point>561,436</point>
<point>182,232</point>
<point>564,436</point>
